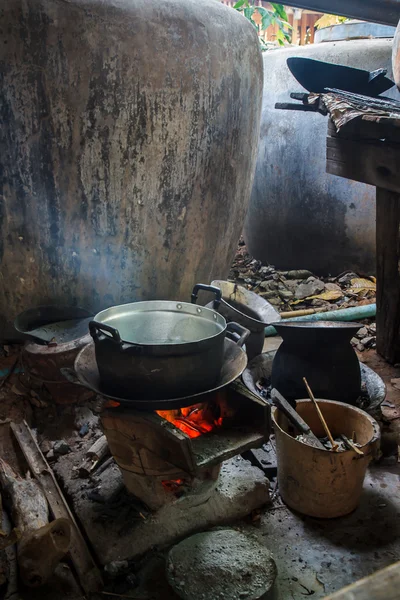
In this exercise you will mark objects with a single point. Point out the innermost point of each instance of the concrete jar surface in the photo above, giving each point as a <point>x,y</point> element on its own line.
<point>128,147</point>
<point>300,216</point>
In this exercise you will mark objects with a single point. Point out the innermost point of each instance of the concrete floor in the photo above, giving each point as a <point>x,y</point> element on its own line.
<point>316,557</point>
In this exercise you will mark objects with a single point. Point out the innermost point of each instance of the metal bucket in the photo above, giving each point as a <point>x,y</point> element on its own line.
<point>321,483</point>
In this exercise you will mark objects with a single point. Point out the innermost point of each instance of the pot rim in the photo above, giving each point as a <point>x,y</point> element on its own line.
<point>161,305</point>
<point>375,426</point>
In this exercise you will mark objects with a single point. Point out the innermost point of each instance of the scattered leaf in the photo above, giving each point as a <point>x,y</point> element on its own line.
<point>361,285</point>
<point>330,295</point>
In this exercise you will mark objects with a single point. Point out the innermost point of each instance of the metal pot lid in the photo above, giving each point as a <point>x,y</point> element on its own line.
<point>234,363</point>
<point>162,322</point>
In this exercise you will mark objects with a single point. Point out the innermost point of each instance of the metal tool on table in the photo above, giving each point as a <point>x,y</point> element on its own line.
<point>309,437</point>
<point>316,76</point>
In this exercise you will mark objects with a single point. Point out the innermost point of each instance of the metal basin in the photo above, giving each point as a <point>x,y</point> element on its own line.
<point>86,369</point>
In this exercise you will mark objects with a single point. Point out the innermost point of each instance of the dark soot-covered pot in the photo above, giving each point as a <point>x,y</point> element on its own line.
<point>160,349</point>
<point>321,352</point>
<point>248,309</point>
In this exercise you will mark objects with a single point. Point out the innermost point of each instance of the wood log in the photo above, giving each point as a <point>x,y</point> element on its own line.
<point>42,544</point>
<point>12,566</point>
<point>86,569</point>
<point>96,453</point>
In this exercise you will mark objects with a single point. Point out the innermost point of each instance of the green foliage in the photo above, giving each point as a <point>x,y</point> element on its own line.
<point>268,17</point>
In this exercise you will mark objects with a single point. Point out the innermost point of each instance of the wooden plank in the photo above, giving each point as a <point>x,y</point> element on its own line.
<point>387,275</point>
<point>85,566</point>
<point>360,129</point>
<point>217,446</point>
<point>383,585</point>
<point>372,162</point>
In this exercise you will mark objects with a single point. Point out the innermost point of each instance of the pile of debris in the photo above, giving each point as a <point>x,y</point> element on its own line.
<point>300,292</point>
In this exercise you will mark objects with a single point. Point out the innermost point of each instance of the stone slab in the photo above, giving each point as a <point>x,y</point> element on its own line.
<point>118,529</point>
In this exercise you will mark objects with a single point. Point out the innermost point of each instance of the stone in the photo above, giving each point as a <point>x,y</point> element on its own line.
<point>372,328</point>
<point>362,333</point>
<point>116,568</point>
<point>360,347</point>
<point>241,488</point>
<point>332,287</point>
<point>311,288</point>
<point>275,301</point>
<point>286,294</point>
<point>268,294</point>
<point>221,564</point>
<point>61,447</point>
<point>347,277</point>
<point>46,446</point>
<point>367,341</point>
<point>318,302</point>
<point>50,455</point>
<point>269,285</point>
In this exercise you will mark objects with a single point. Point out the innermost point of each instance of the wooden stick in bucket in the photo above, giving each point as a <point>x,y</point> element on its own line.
<point>321,416</point>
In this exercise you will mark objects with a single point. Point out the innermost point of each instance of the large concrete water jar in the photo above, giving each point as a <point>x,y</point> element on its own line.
<point>300,216</point>
<point>128,145</point>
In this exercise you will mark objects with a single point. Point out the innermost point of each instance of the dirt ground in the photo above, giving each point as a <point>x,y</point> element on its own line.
<point>314,557</point>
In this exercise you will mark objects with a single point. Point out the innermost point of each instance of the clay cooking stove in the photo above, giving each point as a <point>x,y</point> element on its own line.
<point>167,455</point>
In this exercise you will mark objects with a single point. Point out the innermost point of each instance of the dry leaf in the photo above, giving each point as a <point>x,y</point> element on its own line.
<point>330,295</point>
<point>360,285</point>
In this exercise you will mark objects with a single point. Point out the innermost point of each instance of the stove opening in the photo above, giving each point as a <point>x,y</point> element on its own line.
<point>194,420</point>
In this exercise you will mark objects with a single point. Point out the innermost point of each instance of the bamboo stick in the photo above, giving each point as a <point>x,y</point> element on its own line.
<point>321,416</point>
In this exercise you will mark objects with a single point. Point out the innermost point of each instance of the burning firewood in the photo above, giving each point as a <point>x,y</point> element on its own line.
<point>96,453</point>
<point>41,544</point>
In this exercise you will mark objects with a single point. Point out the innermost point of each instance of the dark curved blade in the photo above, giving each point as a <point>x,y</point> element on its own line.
<point>316,76</point>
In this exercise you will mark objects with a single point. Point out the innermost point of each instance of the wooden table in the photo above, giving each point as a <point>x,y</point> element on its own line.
<point>369,151</point>
<point>382,585</point>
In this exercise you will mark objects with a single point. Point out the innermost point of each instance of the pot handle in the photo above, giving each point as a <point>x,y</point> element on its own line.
<point>237,333</point>
<point>207,288</point>
<point>95,328</point>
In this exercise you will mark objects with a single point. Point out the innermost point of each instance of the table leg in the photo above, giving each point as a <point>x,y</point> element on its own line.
<point>388,274</point>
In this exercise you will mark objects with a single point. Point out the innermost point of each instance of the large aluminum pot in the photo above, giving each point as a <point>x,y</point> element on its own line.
<point>161,349</point>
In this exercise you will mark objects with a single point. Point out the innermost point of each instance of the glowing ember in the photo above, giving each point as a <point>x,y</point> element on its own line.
<point>193,420</point>
<point>172,485</point>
